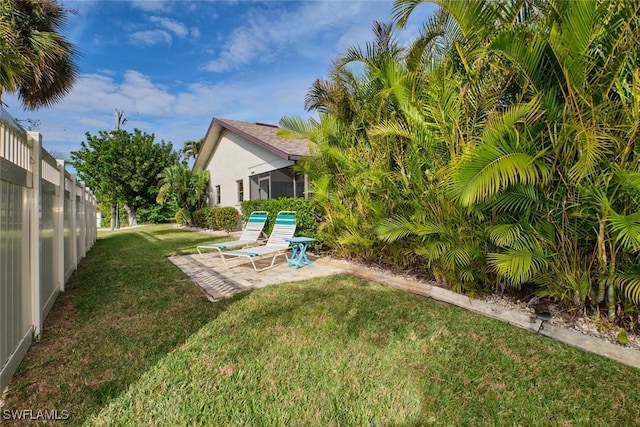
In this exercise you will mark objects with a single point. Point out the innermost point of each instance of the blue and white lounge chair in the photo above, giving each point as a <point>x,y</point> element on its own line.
<point>284,228</point>
<point>249,236</point>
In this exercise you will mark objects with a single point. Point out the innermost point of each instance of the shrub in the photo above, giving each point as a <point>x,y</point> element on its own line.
<point>156,214</point>
<point>217,218</point>
<point>204,218</point>
<point>182,217</point>
<point>226,218</point>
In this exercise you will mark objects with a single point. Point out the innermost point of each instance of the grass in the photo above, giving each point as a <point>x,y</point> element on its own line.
<point>134,343</point>
<point>124,309</point>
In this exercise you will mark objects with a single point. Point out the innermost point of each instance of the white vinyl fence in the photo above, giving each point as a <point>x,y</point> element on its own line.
<point>47,224</point>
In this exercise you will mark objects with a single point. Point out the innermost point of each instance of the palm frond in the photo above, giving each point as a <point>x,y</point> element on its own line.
<point>630,286</point>
<point>354,236</point>
<point>626,230</point>
<point>434,249</point>
<point>593,148</point>
<point>526,51</point>
<point>490,168</point>
<point>425,51</point>
<point>525,114</point>
<point>402,9</point>
<point>304,126</point>
<point>517,266</point>
<point>505,235</point>
<point>475,19</point>
<point>570,41</point>
<point>393,229</point>
<point>517,198</point>
<point>619,34</point>
<point>458,256</point>
<point>628,179</point>
<point>374,53</point>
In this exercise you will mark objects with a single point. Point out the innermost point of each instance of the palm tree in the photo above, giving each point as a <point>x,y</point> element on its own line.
<point>35,60</point>
<point>186,188</point>
<point>550,162</point>
<point>190,149</point>
<point>350,171</point>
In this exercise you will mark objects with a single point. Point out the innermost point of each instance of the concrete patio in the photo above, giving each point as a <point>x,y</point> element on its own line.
<point>218,280</point>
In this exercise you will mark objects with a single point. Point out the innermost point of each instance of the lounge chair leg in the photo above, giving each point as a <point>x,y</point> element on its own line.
<point>276,256</point>
<point>273,261</point>
<point>224,261</point>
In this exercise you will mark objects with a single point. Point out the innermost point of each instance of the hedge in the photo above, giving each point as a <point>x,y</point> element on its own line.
<point>217,218</point>
<point>308,214</point>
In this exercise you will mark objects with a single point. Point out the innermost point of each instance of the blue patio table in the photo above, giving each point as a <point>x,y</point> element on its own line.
<point>299,251</point>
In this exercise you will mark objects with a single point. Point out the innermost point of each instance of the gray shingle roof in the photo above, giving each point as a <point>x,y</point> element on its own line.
<point>267,136</point>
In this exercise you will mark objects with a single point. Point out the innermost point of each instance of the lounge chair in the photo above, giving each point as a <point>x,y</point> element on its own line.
<point>249,236</point>
<point>284,228</point>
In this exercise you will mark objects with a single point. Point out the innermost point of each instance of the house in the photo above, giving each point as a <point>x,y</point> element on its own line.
<point>248,161</point>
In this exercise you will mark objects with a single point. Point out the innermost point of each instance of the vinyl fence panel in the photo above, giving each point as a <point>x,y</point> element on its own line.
<point>47,224</point>
<point>15,294</point>
<point>49,258</point>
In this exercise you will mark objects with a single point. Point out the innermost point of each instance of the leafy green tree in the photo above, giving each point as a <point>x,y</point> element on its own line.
<point>123,166</point>
<point>35,60</point>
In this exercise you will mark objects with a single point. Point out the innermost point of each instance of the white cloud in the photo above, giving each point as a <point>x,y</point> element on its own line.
<point>175,27</point>
<point>267,34</point>
<point>152,5</point>
<point>136,93</point>
<point>144,96</point>
<point>153,108</point>
<point>244,46</point>
<point>168,28</point>
<point>150,37</point>
<point>183,111</point>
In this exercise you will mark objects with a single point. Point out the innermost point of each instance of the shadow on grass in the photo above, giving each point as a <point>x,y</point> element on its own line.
<point>124,309</point>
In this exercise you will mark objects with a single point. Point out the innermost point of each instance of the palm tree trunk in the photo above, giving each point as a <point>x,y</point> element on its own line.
<point>611,300</point>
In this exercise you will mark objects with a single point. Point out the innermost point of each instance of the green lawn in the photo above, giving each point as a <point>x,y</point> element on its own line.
<point>134,343</point>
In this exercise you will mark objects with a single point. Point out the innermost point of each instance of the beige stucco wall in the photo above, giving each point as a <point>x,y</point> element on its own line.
<point>237,158</point>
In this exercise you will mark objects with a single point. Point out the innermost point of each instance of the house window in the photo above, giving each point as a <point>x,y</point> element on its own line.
<point>217,194</point>
<point>240,190</point>
<point>282,183</point>
<point>276,183</point>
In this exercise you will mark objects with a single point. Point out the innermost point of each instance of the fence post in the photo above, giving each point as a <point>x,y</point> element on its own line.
<point>59,227</point>
<point>91,219</point>
<point>73,241</point>
<point>83,223</point>
<point>35,140</point>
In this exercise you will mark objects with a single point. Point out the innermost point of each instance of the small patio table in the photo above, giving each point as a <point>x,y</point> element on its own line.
<point>299,251</point>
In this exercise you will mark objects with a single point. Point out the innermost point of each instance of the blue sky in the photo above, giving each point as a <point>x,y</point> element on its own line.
<point>171,66</point>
